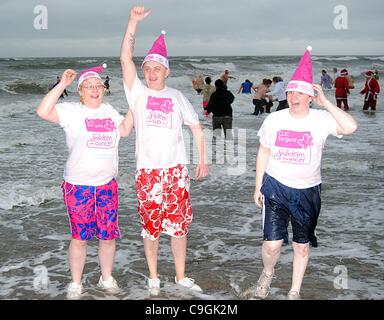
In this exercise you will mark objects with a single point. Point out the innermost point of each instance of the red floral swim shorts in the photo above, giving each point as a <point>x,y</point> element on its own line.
<point>163,201</point>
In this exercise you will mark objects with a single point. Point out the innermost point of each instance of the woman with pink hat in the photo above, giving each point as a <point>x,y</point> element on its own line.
<point>288,177</point>
<point>93,130</point>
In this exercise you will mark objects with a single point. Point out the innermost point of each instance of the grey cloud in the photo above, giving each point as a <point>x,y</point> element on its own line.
<point>207,27</point>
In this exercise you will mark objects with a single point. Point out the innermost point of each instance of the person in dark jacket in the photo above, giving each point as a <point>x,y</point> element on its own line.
<point>220,106</point>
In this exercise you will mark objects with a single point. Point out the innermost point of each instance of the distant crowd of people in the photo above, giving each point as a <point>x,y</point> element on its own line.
<point>269,91</point>
<point>342,82</point>
<point>217,99</point>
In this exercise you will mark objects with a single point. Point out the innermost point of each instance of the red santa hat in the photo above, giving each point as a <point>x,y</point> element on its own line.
<point>93,72</point>
<point>301,80</point>
<point>369,73</point>
<point>344,72</point>
<point>158,52</point>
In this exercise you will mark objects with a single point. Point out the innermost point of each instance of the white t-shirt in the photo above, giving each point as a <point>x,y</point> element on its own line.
<point>278,91</point>
<point>296,146</point>
<point>92,137</point>
<point>158,119</point>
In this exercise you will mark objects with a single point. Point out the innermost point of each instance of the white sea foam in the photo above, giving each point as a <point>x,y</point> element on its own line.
<point>25,194</point>
<point>224,243</point>
<point>18,106</point>
<point>381,58</point>
<point>347,58</point>
<point>217,67</point>
<point>87,61</point>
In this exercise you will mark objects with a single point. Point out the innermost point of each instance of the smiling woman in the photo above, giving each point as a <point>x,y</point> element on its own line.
<point>91,92</point>
<point>93,130</point>
<point>288,177</point>
<point>91,87</point>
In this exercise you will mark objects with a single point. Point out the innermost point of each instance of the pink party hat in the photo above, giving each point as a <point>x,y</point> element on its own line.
<point>301,80</point>
<point>158,52</point>
<point>93,72</point>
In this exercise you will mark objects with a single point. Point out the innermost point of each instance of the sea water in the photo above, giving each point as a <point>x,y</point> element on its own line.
<point>225,238</point>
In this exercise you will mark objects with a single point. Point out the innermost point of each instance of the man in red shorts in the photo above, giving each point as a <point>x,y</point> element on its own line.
<point>162,180</point>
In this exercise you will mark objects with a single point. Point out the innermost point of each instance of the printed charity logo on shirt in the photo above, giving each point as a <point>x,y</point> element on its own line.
<point>102,131</point>
<point>293,146</point>
<point>100,125</point>
<point>161,110</point>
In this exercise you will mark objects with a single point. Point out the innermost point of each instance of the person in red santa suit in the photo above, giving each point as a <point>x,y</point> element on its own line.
<point>342,90</point>
<point>371,90</point>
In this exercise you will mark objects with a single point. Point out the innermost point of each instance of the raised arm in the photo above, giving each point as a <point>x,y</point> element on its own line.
<point>128,45</point>
<point>126,126</point>
<point>202,167</point>
<point>46,109</point>
<point>345,122</point>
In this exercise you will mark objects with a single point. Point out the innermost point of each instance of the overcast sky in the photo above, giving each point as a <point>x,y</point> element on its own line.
<point>201,27</point>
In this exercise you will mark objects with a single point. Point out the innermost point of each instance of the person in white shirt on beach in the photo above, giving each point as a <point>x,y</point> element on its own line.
<point>288,178</point>
<point>278,91</point>
<point>162,179</point>
<point>90,191</point>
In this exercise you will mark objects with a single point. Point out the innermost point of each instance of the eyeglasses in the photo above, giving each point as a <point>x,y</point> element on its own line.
<point>98,87</point>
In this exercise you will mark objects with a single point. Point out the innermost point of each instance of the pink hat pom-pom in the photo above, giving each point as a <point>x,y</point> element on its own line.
<point>163,32</point>
<point>309,48</point>
<point>97,69</point>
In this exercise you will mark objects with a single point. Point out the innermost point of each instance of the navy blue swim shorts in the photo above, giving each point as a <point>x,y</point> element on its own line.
<point>282,203</point>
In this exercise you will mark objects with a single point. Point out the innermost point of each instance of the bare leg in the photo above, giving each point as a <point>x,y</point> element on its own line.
<point>107,249</point>
<point>300,261</point>
<point>151,248</point>
<point>77,254</point>
<point>271,254</point>
<point>179,251</point>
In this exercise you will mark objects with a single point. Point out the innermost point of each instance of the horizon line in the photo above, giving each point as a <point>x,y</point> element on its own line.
<point>200,56</point>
